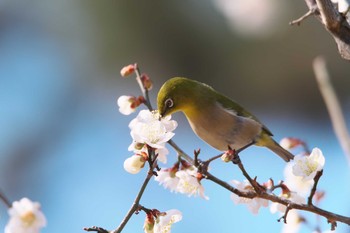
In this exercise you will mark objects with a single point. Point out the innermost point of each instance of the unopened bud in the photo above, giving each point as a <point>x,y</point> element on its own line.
<point>149,223</point>
<point>134,164</point>
<point>174,169</point>
<point>199,176</point>
<point>285,190</point>
<point>185,164</point>
<point>146,82</point>
<point>127,70</point>
<point>138,145</point>
<point>290,143</point>
<point>127,104</point>
<point>269,184</point>
<point>228,156</point>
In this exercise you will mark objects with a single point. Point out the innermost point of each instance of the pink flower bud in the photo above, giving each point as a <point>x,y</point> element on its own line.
<point>127,70</point>
<point>285,190</point>
<point>149,223</point>
<point>290,143</point>
<point>146,82</point>
<point>228,156</point>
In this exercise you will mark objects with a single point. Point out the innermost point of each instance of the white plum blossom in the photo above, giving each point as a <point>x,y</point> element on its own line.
<point>25,217</point>
<point>162,152</point>
<point>296,183</point>
<point>189,183</point>
<point>293,222</point>
<point>253,204</point>
<point>134,164</point>
<point>307,166</point>
<point>126,104</point>
<point>291,196</point>
<point>184,180</point>
<point>164,221</point>
<point>147,128</point>
<point>168,178</point>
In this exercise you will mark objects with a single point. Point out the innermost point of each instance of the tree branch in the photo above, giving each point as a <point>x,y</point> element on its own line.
<point>135,206</point>
<point>334,22</point>
<point>331,217</point>
<point>143,89</point>
<point>314,187</point>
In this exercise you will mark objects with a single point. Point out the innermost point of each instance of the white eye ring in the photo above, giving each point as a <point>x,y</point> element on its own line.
<point>169,103</point>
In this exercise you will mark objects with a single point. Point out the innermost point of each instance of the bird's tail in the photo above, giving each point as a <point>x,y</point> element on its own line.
<point>268,142</point>
<point>280,151</point>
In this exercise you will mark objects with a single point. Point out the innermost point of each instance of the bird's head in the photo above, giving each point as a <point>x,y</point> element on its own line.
<point>177,94</point>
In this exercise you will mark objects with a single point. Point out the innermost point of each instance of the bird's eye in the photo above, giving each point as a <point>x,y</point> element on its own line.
<point>169,103</point>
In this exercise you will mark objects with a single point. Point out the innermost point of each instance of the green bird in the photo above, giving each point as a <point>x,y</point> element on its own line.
<point>215,118</point>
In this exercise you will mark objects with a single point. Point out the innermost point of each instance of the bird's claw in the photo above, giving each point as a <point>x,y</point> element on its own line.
<point>232,154</point>
<point>203,166</point>
<point>236,159</point>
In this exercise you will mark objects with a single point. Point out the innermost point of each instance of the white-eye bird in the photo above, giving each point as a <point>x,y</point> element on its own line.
<point>215,118</point>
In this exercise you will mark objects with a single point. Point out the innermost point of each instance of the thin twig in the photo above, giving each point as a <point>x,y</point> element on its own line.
<point>284,217</point>
<point>213,158</point>
<point>5,200</point>
<point>314,187</point>
<point>302,18</point>
<point>331,217</point>
<point>133,209</point>
<point>136,203</point>
<point>143,89</point>
<point>332,104</point>
<point>181,152</point>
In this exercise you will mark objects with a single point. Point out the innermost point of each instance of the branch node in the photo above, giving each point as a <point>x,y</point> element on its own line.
<point>333,224</point>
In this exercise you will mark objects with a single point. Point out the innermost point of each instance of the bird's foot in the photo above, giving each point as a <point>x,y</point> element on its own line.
<point>203,167</point>
<point>231,155</point>
<point>236,159</point>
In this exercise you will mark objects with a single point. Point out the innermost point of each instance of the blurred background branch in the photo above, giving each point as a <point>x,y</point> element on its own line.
<point>332,103</point>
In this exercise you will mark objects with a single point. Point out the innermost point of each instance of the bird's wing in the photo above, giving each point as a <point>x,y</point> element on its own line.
<point>239,110</point>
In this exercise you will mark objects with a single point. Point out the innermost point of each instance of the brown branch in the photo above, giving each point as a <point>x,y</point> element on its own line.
<point>136,203</point>
<point>314,187</point>
<point>257,188</point>
<point>259,191</point>
<point>134,207</point>
<point>284,217</point>
<point>332,103</point>
<point>331,217</point>
<point>334,22</point>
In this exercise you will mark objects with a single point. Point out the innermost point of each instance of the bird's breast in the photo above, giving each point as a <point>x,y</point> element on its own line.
<point>221,128</point>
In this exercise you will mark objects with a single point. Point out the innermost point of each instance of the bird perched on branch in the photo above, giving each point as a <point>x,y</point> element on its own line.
<point>215,118</point>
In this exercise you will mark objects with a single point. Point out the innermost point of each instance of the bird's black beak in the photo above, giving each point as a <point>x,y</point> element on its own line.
<point>161,114</point>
